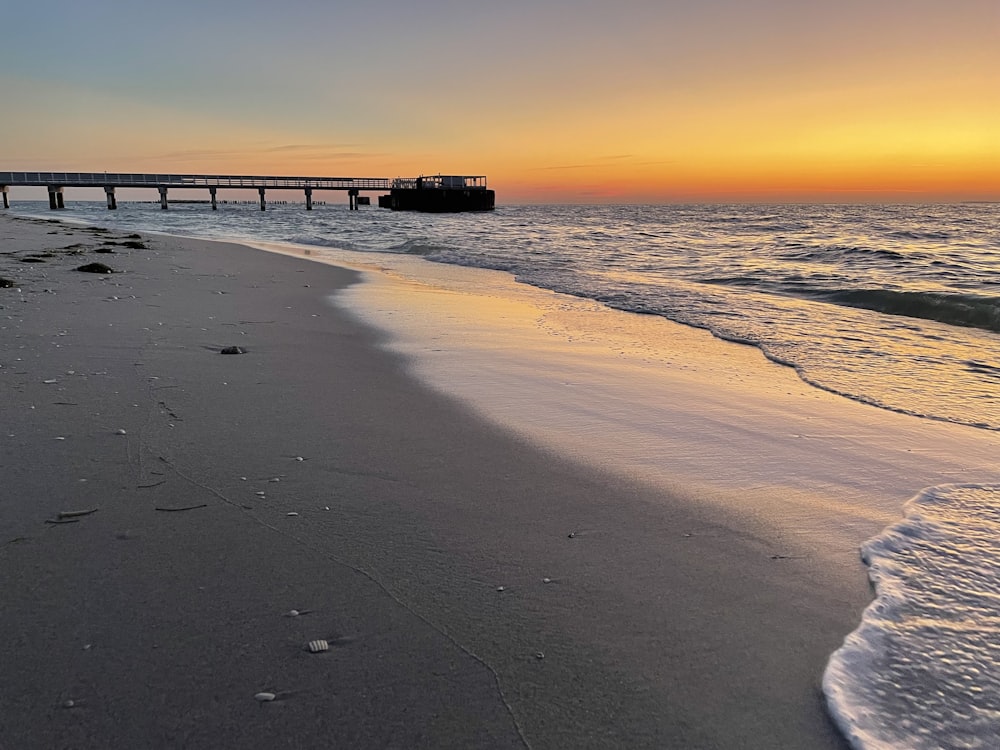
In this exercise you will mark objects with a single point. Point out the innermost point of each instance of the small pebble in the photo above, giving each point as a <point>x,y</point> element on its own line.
<point>299,458</point>
<point>264,697</point>
<point>293,513</point>
<point>571,535</point>
<point>120,432</point>
<point>500,588</point>
<point>546,580</point>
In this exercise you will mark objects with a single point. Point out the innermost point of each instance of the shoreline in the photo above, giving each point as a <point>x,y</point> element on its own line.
<point>668,619</point>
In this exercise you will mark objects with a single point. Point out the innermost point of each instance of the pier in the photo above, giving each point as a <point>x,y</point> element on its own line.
<point>437,193</point>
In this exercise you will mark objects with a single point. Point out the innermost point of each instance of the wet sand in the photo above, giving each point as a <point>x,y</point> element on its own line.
<point>421,541</point>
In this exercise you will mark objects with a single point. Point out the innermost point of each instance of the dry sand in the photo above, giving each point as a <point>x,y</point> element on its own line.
<point>664,622</point>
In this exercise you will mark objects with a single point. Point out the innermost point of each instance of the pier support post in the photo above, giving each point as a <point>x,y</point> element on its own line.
<point>112,203</point>
<point>263,204</point>
<point>309,199</point>
<point>56,198</point>
<point>352,200</point>
<point>163,198</point>
<point>212,192</point>
<point>3,192</point>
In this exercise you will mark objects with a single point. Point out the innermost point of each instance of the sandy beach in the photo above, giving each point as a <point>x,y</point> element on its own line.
<point>476,588</point>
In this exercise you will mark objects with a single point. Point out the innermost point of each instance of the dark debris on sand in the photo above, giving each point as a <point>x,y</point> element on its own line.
<point>95,268</point>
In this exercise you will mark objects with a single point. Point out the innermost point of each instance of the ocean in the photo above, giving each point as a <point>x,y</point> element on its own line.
<point>897,307</point>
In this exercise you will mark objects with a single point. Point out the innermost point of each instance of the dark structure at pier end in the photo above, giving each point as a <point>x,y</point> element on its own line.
<point>439,194</point>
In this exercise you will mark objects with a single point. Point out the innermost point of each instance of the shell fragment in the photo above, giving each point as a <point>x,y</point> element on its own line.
<point>316,647</point>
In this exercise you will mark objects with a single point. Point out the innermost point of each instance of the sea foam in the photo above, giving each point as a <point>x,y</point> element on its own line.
<point>923,669</point>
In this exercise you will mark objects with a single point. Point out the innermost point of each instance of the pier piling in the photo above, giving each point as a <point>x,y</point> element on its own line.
<point>56,198</point>
<point>112,203</point>
<point>212,191</point>
<point>263,204</point>
<point>3,192</point>
<point>309,199</point>
<point>163,197</point>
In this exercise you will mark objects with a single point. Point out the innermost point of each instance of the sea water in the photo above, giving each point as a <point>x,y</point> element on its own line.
<point>894,306</point>
<point>923,670</point>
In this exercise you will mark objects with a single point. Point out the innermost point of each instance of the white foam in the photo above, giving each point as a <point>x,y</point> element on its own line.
<point>922,671</point>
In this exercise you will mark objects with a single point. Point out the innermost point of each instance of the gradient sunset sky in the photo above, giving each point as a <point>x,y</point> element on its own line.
<point>554,100</point>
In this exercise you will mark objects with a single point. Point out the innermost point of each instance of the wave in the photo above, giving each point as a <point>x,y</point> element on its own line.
<point>968,310</point>
<point>922,671</point>
<point>912,234</point>
<point>418,246</point>
<point>337,244</point>
<point>981,368</point>
<point>836,253</point>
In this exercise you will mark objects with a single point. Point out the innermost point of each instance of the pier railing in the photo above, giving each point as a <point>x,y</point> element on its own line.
<point>149,180</point>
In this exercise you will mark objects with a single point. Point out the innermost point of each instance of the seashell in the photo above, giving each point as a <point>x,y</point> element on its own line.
<point>292,613</point>
<point>500,588</point>
<point>50,381</point>
<point>293,513</point>
<point>259,494</point>
<point>120,432</point>
<point>571,535</point>
<point>264,697</point>
<point>299,458</point>
<point>316,647</point>
<point>539,655</point>
<point>546,580</point>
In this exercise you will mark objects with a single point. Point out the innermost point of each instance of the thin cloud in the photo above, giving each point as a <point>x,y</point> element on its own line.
<point>600,162</point>
<point>310,147</point>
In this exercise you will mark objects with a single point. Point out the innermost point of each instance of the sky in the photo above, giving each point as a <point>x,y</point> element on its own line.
<point>555,101</point>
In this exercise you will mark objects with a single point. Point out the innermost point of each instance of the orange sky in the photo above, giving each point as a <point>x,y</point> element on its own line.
<point>583,101</point>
